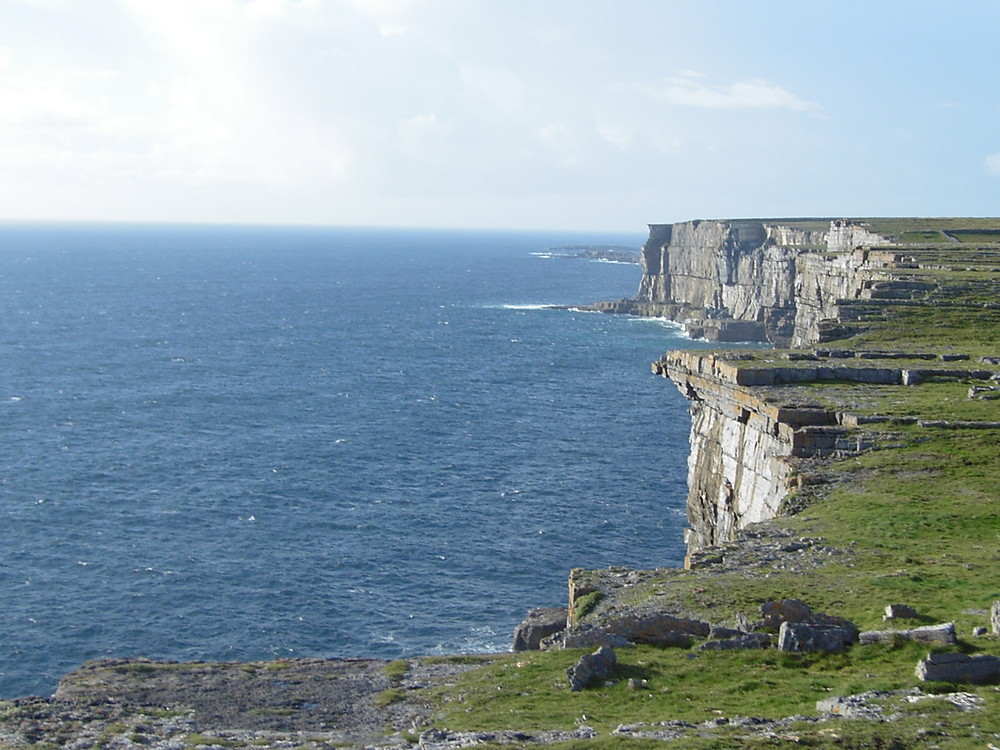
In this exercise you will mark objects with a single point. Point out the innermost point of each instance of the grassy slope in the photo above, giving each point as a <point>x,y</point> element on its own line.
<point>918,522</point>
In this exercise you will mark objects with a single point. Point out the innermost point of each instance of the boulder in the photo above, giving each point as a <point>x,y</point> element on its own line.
<point>776,613</point>
<point>953,667</point>
<point>743,641</point>
<point>719,632</point>
<point>937,635</point>
<point>801,637</point>
<point>897,611</point>
<point>995,618</point>
<point>587,636</point>
<point>592,668</point>
<point>658,629</point>
<point>540,623</point>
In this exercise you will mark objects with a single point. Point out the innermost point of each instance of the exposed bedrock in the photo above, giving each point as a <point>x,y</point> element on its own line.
<point>755,279</point>
<point>788,282</point>
<point>743,449</point>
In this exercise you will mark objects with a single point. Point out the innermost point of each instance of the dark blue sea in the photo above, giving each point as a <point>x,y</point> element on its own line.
<point>235,443</point>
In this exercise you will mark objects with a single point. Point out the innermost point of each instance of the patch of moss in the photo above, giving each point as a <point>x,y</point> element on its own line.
<point>396,670</point>
<point>583,605</point>
<point>390,696</point>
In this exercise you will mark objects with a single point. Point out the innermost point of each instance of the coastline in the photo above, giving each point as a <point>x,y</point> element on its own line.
<point>814,475</point>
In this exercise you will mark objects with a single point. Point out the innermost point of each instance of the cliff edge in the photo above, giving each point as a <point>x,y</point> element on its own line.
<point>817,286</point>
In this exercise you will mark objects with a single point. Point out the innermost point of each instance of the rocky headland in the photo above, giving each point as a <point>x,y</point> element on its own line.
<point>843,536</point>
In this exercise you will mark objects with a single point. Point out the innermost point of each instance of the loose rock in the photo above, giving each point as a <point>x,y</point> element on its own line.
<point>938,635</point>
<point>951,667</point>
<point>745,641</point>
<point>592,668</point>
<point>897,611</point>
<point>803,637</point>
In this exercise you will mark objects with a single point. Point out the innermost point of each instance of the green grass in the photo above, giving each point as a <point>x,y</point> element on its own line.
<point>396,670</point>
<point>390,696</point>
<point>529,692</point>
<point>584,604</point>
<point>920,525</point>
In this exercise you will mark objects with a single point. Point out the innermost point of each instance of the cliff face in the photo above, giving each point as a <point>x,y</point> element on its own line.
<point>745,449</point>
<point>745,280</point>
<point>755,280</point>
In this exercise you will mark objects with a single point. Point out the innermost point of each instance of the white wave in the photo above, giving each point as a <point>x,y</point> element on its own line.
<point>527,307</point>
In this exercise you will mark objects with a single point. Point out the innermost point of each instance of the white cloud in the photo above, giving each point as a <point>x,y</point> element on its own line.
<point>688,91</point>
<point>500,87</point>
<point>561,141</point>
<point>421,136</point>
<point>992,163</point>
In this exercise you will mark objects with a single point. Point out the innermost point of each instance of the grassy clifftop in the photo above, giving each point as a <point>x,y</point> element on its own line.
<point>916,521</point>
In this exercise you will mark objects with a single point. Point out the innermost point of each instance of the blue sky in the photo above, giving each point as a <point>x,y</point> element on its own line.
<point>556,114</point>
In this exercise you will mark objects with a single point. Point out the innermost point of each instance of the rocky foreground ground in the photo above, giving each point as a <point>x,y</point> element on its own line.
<point>295,703</point>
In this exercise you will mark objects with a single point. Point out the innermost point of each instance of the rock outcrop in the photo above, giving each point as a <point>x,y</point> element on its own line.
<point>793,283</point>
<point>592,668</point>
<point>744,280</point>
<point>540,623</point>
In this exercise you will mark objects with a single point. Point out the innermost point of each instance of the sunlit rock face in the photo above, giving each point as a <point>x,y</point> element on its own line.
<point>754,280</point>
<point>766,281</point>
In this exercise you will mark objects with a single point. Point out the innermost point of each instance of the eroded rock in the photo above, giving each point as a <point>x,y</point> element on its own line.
<point>592,668</point>
<point>955,667</point>
<point>740,642</point>
<point>898,611</point>
<point>806,637</point>
<point>540,623</point>
<point>658,629</point>
<point>938,635</point>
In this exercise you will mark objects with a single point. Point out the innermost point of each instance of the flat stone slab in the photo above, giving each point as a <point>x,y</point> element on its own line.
<point>952,667</point>
<point>938,635</point>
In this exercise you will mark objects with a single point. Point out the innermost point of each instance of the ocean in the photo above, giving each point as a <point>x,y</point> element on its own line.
<point>244,443</point>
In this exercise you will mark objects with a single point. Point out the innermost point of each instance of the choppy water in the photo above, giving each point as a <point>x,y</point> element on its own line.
<point>236,443</point>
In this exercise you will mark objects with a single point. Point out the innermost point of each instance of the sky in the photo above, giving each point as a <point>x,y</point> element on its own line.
<point>515,114</point>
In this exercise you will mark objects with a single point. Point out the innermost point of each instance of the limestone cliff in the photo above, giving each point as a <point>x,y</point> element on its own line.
<point>794,283</point>
<point>760,280</point>
<point>745,447</point>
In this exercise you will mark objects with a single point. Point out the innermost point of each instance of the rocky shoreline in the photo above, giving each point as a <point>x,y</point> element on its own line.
<point>773,434</point>
<point>287,703</point>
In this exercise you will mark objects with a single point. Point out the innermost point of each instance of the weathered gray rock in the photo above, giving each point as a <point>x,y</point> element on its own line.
<point>979,632</point>
<point>897,611</point>
<point>803,637</point>
<point>995,618</point>
<point>954,667</point>
<point>744,641</point>
<point>718,632</point>
<point>540,623</point>
<point>443,739</point>
<point>861,706</point>
<point>592,668</point>
<point>587,636</point>
<point>658,629</point>
<point>776,613</point>
<point>937,635</point>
